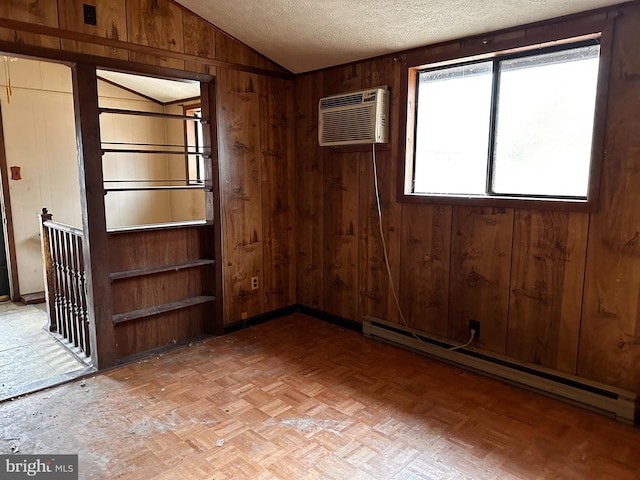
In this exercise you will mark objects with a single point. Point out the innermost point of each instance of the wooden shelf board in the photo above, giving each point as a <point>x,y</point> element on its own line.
<point>158,309</point>
<point>139,272</point>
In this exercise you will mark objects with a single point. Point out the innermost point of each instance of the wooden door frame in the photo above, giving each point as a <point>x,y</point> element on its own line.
<point>5,204</point>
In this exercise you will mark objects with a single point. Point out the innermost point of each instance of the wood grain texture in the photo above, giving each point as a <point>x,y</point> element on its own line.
<point>239,161</point>
<point>610,333</point>
<point>230,50</point>
<point>111,19</point>
<point>376,295</point>
<point>158,24</point>
<point>340,237</point>
<point>424,272</point>
<point>199,39</point>
<point>480,274</point>
<point>41,12</point>
<point>95,240</point>
<point>278,199</point>
<point>309,192</point>
<point>547,276</point>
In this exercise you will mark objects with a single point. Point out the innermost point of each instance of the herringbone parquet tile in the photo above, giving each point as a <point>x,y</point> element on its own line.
<point>297,398</point>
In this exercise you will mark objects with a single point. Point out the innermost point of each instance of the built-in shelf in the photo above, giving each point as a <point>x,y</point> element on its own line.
<point>158,309</point>
<point>157,187</point>
<point>119,111</point>
<point>140,272</point>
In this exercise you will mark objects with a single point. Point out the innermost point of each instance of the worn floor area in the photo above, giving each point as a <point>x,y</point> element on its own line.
<point>297,398</point>
<point>30,358</point>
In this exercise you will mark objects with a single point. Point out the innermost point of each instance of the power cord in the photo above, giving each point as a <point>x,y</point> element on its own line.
<point>386,257</point>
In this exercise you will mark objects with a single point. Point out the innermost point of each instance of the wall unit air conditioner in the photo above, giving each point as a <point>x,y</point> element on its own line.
<point>354,118</point>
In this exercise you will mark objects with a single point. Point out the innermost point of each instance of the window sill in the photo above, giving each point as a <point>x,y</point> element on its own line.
<point>529,203</point>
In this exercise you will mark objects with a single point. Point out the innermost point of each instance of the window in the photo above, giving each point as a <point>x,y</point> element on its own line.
<point>518,125</point>
<point>193,132</point>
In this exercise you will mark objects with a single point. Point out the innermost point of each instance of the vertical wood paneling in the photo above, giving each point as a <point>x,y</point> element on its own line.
<point>155,23</point>
<point>41,12</point>
<point>376,296</point>
<point>199,39</point>
<point>341,235</point>
<point>239,161</point>
<point>610,333</point>
<point>309,193</point>
<point>424,273</point>
<point>546,287</point>
<point>341,221</point>
<point>480,270</point>
<point>278,211</point>
<point>229,50</point>
<point>111,19</point>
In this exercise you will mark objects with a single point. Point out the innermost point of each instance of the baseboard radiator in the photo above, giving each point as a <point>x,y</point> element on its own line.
<point>604,399</point>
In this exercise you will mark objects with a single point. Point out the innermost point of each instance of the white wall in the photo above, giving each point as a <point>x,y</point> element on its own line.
<point>39,136</point>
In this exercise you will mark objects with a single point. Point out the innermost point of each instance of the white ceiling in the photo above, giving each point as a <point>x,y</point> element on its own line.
<point>305,35</point>
<point>164,91</point>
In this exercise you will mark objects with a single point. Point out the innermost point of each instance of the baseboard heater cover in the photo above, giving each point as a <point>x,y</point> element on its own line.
<point>602,398</point>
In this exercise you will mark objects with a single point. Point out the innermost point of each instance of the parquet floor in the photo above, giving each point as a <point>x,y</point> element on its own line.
<point>297,398</point>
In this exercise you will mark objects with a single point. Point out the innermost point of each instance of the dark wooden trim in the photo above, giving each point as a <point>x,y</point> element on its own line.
<point>8,218</point>
<point>330,318</point>
<point>130,90</point>
<point>158,309</point>
<point>94,240</point>
<point>133,47</point>
<point>189,102</point>
<point>104,63</point>
<point>258,319</point>
<point>584,24</point>
<point>296,307</point>
<point>213,211</point>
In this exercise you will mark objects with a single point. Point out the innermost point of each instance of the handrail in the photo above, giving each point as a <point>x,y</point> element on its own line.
<point>63,227</point>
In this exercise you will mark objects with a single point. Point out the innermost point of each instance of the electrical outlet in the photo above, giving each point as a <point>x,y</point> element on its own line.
<point>474,325</point>
<point>254,283</point>
<point>89,14</point>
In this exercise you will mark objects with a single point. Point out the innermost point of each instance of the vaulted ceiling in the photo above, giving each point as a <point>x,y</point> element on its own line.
<point>305,35</point>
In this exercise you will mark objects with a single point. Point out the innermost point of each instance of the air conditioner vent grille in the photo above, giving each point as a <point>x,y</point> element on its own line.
<point>341,101</point>
<point>342,126</point>
<point>354,118</point>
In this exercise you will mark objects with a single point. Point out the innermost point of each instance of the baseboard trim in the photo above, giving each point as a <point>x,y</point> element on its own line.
<point>330,318</point>
<point>610,401</point>
<point>258,319</point>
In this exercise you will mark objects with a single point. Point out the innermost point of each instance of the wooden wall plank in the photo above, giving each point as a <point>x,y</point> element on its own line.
<point>480,273</point>
<point>309,192</point>
<point>41,12</point>
<point>230,50</point>
<point>239,160</point>
<point>340,285</point>
<point>278,200</point>
<point>199,39</point>
<point>341,215</point>
<point>424,272</point>
<point>111,22</point>
<point>376,295</point>
<point>610,333</point>
<point>546,287</point>
<point>158,24</point>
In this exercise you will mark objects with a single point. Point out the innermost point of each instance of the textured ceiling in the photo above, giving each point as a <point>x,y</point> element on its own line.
<point>305,35</point>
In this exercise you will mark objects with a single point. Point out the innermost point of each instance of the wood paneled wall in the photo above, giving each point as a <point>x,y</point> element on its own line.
<point>556,289</point>
<point>254,124</point>
<point>162,25</point>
